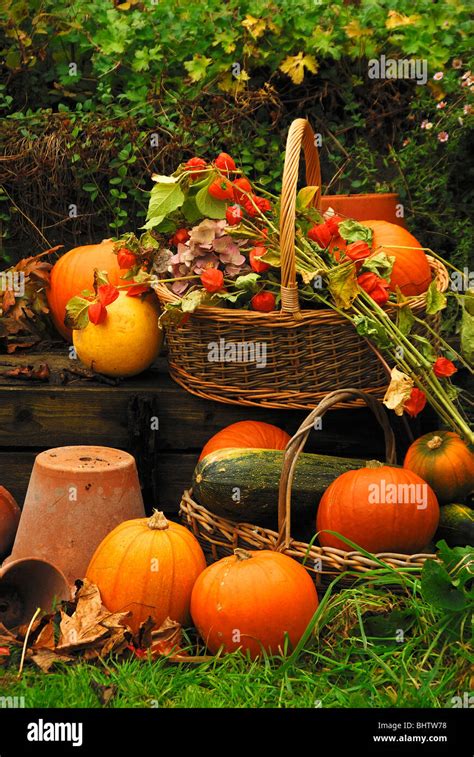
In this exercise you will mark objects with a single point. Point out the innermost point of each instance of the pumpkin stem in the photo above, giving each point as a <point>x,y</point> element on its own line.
<point>242,554</point>
<point>374,464</point>
<point>434,443</point>
<point>158,522</point>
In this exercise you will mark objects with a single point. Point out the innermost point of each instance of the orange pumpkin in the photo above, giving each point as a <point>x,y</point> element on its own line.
<point>445,462</point>
<point>251,600</point>
<point>147,566</point>
<point>247,435</point>
<point>380,508</point>
<point>411,270</point>
<point>9,520</point>
<point>74,272</point>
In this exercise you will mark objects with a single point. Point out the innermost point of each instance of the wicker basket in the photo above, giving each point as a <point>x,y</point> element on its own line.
<point>308,352</point>
<point>220,536</point>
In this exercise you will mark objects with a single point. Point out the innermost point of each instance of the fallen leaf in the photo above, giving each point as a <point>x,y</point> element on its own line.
<point>40,372</point>
<point>45,639</point>
<point>46,658</point>
<point>88,623</point>
<point>104,693</point>
<point>398,392</point>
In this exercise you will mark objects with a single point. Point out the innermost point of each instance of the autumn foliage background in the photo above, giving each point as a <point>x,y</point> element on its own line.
<point>98,95</point>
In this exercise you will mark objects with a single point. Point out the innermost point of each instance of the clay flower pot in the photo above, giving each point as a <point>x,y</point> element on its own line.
<point>75,496</point>
<point>365,207</point>
<point>26,585</point>
<point>9,519</point>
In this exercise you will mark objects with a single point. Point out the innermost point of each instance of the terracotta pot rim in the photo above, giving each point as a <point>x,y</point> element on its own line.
<point>83,459</point>
<point>357,197</point>
<point>10,563</point>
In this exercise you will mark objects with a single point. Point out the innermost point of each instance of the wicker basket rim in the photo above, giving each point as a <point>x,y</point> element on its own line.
<point>304,549</point>
<point>165,295</point>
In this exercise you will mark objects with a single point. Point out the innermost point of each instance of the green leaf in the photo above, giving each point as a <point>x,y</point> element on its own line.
<point>342,284</point>
<point>190,210</point>
<point>373,331</point>
<point>272,257</point>
<point>458,562</point>
<point>147,241</point>
<point>353,231</point>
<point>193,299</point>
<point>386,626</point>
<point>197,66</point>
<point>467,327</point>
<point>166,226</point>
<point>164,198</point>
<point>249,282</point>
<point>76,313</point>
<point>405,319</point>
<point>305,197</point>
<point>100,278</point>
<point>435,300</point>
<point>438,590</point>
<point>208,206</point>
<point>425,347</point>
<point>380,264</point>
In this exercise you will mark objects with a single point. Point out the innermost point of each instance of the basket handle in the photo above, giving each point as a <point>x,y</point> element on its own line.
<point>297,442</point>
<point>300,135</point>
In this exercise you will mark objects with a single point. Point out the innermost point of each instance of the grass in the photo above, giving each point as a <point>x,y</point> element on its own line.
<point>369,647</point>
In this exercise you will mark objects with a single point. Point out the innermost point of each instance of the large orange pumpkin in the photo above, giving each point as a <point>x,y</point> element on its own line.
<point>445,462</point>
<point>74,272</point>
<point>247,435</point>
<point>148,566</point>
<point>411,270</point>
<point>251,600</point>
<point>9,520</point>
<point>380,508</point>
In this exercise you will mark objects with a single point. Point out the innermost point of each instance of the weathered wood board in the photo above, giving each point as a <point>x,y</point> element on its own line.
<point>151,416</point>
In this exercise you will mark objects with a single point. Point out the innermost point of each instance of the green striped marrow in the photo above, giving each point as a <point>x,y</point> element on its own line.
<point>456,525</point>
<point>242,484</point>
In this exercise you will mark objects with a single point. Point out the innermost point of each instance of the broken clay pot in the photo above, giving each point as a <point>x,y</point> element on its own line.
<point>26,585</point>
<point>76,496</point>
<point>9,519</point>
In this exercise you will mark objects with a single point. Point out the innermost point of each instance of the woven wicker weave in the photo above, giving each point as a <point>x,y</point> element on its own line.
<point>220,536</point>
<point>308,352</point>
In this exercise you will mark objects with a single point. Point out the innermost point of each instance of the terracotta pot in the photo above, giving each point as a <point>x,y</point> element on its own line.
<point>75,496</point>
<point>26,585</point>
<point>380,207</point>
<point>9,519</point>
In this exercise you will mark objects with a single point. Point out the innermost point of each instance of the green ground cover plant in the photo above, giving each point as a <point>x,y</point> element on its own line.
<point>97,96</point>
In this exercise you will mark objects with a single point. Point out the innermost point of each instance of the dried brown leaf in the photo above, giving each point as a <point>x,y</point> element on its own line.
<point>90,622</point>
<point>45,639</point>
<point>104,693</point>
<point>46,658</point>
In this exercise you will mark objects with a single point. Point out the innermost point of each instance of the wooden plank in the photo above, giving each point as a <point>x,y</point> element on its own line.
<point>174,472</point>
<point>90,413</point>
<point>38,415</point>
